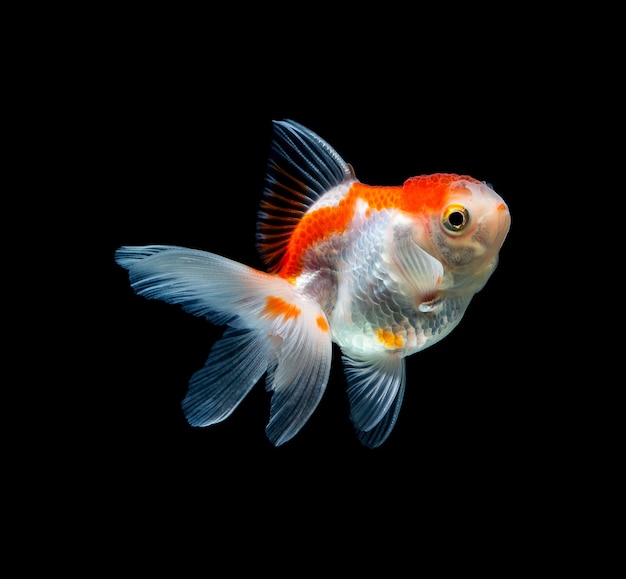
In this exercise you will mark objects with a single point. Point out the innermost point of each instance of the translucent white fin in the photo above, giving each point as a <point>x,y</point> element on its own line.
<point>375,392</point>
<point>236,363</point>
<point>377,435</point>
<point>202,283</point>
<point>419,271</point>
<point>273,328</point>
<point>303,352</point>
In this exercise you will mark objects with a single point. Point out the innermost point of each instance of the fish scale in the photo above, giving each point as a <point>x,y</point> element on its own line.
<point>366,276</point>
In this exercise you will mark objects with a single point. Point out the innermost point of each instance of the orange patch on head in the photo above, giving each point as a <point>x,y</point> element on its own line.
<point>322,323</point>
<point>279,307</point>
<point>428,192</point>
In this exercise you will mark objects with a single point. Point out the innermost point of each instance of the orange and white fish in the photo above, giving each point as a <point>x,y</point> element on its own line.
<point>382,271</point>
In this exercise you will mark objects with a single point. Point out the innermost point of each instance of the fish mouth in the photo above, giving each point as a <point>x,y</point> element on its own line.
<point>495,227</point>
<point>504,221</point>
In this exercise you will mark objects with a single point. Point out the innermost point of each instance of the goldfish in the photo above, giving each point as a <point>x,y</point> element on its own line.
<point>383,272</point>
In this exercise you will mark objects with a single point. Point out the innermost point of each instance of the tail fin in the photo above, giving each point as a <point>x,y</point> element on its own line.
<point>272,328</point>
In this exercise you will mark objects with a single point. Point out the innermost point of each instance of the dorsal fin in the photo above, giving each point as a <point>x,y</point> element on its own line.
<point>300,169</point>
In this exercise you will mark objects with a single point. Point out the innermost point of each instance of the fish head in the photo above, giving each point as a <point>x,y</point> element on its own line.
<point>462,222</point>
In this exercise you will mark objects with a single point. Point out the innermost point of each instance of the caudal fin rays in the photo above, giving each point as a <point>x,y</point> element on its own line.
<point>271,329</point>
<point>235,364</point>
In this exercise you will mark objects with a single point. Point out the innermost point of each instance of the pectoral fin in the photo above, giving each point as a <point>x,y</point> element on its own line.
<point>419,272</point>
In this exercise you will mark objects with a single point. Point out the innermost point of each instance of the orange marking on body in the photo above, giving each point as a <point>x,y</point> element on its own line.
<point>279,307</point>
<point>325,222</point>
<point>322,323</point>
<point>417,195</point>
<point>389,339</point>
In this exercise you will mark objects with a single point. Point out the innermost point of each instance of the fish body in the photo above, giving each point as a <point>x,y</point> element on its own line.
<point>382,271</point>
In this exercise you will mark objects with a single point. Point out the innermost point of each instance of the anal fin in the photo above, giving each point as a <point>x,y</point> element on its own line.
<point>375,391</point>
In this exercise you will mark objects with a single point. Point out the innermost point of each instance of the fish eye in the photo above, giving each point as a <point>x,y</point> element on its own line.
<point>455,218</point>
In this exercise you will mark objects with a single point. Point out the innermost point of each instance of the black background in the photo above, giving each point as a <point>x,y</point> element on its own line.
<point>171,128</point>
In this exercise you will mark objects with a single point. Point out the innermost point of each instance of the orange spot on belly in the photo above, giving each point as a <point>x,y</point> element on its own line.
<point>389,339</point>
<point>279,307</point>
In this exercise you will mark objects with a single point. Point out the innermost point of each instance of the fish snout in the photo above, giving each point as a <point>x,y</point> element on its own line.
<point>504,221</point>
